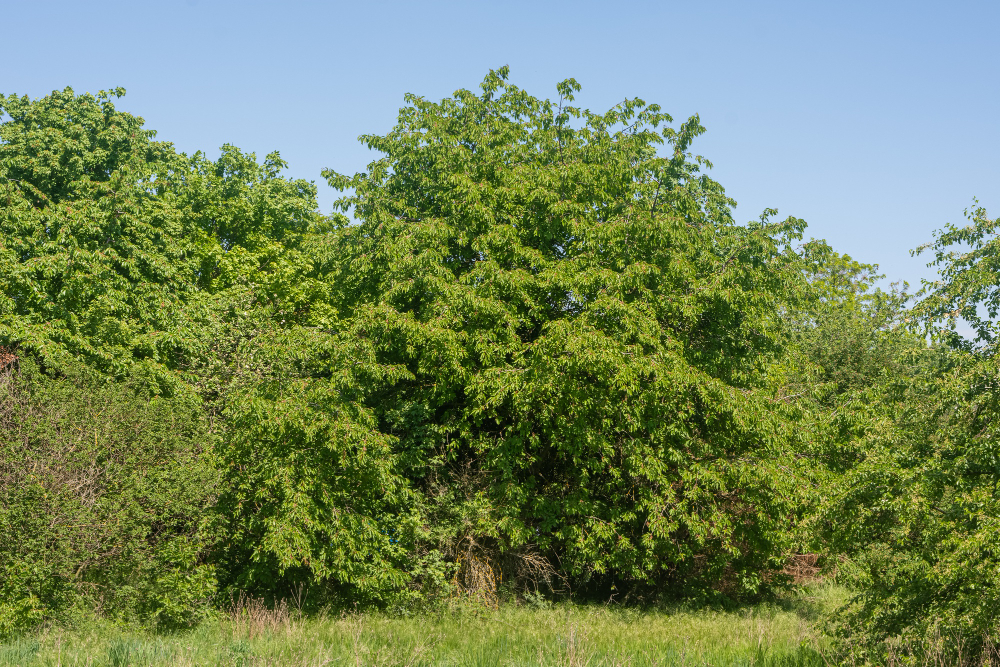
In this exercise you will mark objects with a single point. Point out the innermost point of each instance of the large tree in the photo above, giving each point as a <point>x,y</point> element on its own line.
<point>586,346</point>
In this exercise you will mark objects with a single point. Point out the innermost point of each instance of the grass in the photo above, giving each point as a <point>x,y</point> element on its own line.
<point>778,634</point>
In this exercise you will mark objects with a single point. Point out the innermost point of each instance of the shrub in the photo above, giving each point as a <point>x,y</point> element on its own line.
<point>104,498</point>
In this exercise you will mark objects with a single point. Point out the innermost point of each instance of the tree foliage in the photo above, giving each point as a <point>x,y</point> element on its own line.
<point>531,345</point>
<point>587,341</point>
<point>95,261</point>
<point>916,508</point>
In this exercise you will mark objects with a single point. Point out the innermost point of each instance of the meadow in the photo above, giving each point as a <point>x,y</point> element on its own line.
<point>786,631</point>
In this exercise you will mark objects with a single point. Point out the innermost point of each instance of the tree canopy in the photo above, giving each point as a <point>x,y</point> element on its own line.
<point>530,349</point>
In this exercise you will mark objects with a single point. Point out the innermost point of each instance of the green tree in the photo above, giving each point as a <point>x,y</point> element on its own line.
<point>149,266</point>
<point>95,262</point>
<point>587,348</point>
<point>917,510</point>
<point>117,250</point>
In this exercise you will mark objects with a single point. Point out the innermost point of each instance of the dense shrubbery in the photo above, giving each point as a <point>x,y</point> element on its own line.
<point>106,499</point>
<point>543,354</point>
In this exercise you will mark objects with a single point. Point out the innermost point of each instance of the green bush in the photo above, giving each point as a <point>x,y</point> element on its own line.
<point>917,502</point>
<point>105,499</point>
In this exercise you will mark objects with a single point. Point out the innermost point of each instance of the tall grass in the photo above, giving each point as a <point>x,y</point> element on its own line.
<point>779,634</point>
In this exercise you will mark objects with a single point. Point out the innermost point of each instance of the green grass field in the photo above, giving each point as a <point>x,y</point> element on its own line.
<point>781,633</point>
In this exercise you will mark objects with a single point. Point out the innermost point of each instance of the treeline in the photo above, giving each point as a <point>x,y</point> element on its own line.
<point>539,357</point>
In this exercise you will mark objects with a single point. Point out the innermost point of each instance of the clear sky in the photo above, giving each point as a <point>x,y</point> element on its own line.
<point>877,122</point>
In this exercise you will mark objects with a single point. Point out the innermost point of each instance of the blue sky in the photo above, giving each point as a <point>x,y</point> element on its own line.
<point>877,122</point>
